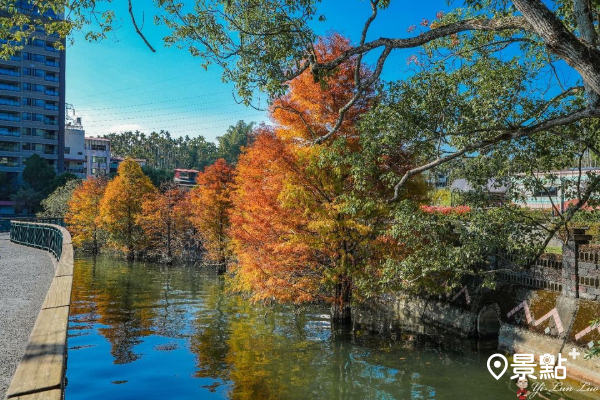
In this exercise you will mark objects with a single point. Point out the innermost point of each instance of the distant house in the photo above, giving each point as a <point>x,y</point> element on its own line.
<point>116,161</point>
<point>97,154</point>
<point>554,194</point>
<point>459,187</point>
<point>75,157</point>
<point>185,177</point>
<point>551,193</point>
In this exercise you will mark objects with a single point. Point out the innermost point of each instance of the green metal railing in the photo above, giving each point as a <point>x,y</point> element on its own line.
<point>44,237</point>
<point>5,222</point>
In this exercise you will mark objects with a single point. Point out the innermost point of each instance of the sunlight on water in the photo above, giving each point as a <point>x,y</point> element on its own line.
<point>144,331</point>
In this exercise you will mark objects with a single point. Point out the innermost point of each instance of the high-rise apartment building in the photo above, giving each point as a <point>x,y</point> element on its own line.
<point>32,104</point>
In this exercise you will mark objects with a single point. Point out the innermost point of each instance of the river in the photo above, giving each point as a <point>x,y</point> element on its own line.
<point>147,331</point>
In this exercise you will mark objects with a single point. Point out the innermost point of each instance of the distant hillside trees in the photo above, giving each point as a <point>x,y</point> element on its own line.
<point>231,143</point>
<point>163,152</point>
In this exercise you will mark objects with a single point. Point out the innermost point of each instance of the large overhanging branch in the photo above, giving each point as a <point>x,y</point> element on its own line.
<point>317,69</point>
<point>482,24</point>
<point>506,135</point>
<point>583,57</point>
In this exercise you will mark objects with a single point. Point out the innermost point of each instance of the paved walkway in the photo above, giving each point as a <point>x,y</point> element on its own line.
<point>25,276</point>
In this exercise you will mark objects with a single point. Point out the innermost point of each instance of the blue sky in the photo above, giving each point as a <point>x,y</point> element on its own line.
<point>119,84</point>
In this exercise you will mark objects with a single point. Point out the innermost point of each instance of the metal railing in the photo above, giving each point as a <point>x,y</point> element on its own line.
<point>41,236</point>
<point>5,223</point>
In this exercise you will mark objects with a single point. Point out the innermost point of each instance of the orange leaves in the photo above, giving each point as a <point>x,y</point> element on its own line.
<point>83,216</point>
<point>211,204</point>
<point>164,219</point>
<point>310,108</point>
<point>121,205</point>
<point>267,232</point>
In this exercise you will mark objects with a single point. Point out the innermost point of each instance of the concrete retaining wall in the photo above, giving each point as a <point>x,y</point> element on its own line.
<point>41,372</point>
<point>531,321</point>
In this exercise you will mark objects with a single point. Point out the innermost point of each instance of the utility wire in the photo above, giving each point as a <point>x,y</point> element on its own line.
<point>110,122</point>
<point>152,103</point>
<point>203,122</point>
<point>193,107</point>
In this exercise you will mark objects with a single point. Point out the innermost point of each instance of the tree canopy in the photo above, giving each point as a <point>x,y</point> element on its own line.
<point>121,206</point>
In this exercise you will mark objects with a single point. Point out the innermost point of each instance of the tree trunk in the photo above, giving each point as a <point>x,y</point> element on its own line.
<point>583,57</point>
<point>582,12</point>
<point>130,253</point>
<point>341,311</point>
<point>95,246</point>
<point>169,255</point>
<point>221,268</point>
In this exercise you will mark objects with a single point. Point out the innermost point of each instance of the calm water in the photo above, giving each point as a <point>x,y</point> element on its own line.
<point>143,331</point>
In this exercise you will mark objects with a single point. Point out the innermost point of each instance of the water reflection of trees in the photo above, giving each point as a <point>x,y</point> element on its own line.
<point>130,301</point>
<point>261,352</point>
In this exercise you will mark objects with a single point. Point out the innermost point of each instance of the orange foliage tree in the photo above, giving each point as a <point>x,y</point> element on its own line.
<point>83,216</point>
<point>165,220</point>
<point>297,234</point>
<point>210,207</point>
<point>121,206</point>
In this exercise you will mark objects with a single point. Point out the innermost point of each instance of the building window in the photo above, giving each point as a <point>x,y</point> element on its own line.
<point>549,191</point>
<point>38,73</point>
<point>9,146</point>
<point>98,147</point>
<point>51,91</point>
<point>32,87</point>
<point>9,117</point>
<point>67,150</point>
<point>34,102</point>
<point>99,160</point>
<point>34,57</point>
<point>9,101</point>
<point>13,87</point>
<point>10,71</point>
<point>9,161</point>
<point>51,77</point>
<point>9,131</point>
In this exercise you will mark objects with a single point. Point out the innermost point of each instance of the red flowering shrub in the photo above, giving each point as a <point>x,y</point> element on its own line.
<point>445,210</point>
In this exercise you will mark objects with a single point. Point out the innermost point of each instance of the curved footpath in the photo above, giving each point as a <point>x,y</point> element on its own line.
<point>25,276</point>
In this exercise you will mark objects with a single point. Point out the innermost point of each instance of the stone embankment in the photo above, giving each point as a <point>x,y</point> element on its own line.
<point>40,373</point>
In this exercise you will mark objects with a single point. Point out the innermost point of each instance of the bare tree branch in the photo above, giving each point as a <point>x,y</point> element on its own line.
<point>363,39</point>
<point>139,32</point>
<point>359,91</point>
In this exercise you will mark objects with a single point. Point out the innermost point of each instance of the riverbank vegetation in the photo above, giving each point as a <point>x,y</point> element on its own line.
<point>325,203</point>
<point>299,220</point>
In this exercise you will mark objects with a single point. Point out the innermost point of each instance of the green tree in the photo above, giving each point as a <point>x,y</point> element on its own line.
<point>56,205</point>
<point>61,180</point>
<point>163,152</point>
<point>38,174</point>
<point>8,186</point>
<point>27,199</point>
<point>158,176</point>
<point>232,142</point>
